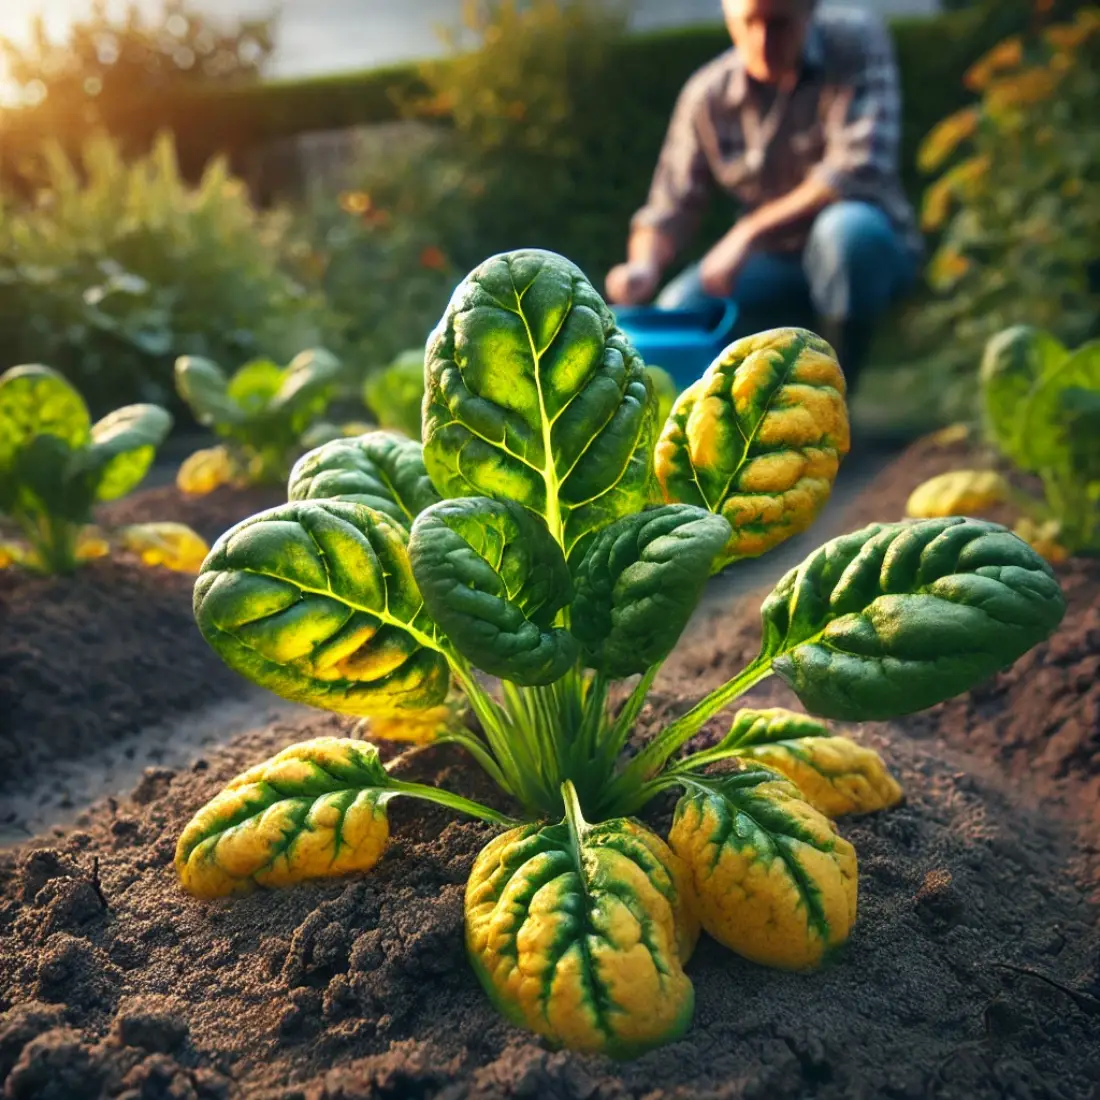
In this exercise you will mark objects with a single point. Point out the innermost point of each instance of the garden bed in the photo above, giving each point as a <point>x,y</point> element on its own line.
<point>88,659</point>
<point>973,971</point>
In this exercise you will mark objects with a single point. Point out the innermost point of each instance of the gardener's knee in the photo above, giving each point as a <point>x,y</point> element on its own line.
<point>852,260</point>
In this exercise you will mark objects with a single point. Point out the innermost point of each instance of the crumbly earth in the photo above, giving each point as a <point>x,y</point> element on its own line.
<point>973,972</point>
<point>89,659</point>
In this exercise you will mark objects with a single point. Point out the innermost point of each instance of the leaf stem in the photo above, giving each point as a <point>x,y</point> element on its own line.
<point>627,716</point>
<point>654,756</point>
<point>451,801</point>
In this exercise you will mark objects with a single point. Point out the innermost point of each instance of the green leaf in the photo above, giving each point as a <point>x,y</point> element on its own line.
<point>395,395</point>
<point>1044,422</point>
<point>205,389</point>
<point>773,880</point>
<point>639,582</point>
<point>758,439</point>
<point>896,617</point>
<point>254,385</point>
<point>494,580</point>
<point>123,446</point>
<point>36,400</point>
<point>305,389</point>
<point>315,810</point>
<point>382,470</point>
<point>1014,360</point>
<point>664,389</point>
<point>316,601</point>
<point>764,727</point>
<point>576,932</point>
<point>534,396</point>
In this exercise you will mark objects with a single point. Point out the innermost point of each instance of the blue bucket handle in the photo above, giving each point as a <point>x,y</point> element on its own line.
<point>723,330</point>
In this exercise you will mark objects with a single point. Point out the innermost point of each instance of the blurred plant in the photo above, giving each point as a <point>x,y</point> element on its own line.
<point>56,466</point>
<point>395,395</point>
<point>1041,411</point>
<point>382,248</point>
<point>118,268</point>
<point>263,413</point>
<point>1017,201</point>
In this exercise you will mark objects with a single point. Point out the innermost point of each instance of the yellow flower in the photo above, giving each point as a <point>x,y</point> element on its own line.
<point>945,137</point>
<point>1005,55</point>
<point>1024,89</point>
<point>948,266</point>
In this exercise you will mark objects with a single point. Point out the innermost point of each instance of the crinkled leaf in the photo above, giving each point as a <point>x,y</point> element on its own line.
<point>897,617</point>
<point>1046,422</point>
<point>314,810</point>
<point>382,470</point>
<point>316,601</point>
<point>35,401</point>
<point>638,583</point>
<point>171,545</point>
<point>773,880</point>
<point>1013,361</point>
<point>581,938</point>
<point>204,471</point>
<point>758,439</point>
<point>534,396</point>
<point>835,775</point>
<point>494,579</point>
<point>203,386</point>
<point>957,493</point>
<point>122,448</point>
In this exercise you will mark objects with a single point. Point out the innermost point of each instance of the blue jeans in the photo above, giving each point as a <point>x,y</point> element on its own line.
<point>854,266</point>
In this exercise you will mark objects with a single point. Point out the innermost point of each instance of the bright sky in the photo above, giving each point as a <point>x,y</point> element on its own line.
<point>317,36</point>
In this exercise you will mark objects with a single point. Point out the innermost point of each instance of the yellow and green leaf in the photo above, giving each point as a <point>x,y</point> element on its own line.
<point>758,439</point>
<point>957,493</point>
<point>773,879</point>
<point>578,933</point>
<point>314,810</point>
<point>172,545</point>
<point>834,774</point>
<point>204,471</point>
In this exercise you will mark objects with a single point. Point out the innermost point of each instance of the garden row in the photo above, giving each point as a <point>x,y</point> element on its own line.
<point>396,570</point>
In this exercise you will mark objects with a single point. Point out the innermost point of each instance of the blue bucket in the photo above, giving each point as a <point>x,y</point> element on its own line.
<point>683,341</point>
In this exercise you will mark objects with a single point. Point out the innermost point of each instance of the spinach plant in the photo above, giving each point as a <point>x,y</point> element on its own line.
<point>1041,412</point>
<point>520,542</point>
<point>394,394</point>
<point>56,466</point>
<point>261,412</point>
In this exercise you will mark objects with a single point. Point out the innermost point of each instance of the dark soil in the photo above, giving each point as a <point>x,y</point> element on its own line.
<point>973,972</point>
<point>209,515</point>
<point>88,659</point>
<point>91,658</point>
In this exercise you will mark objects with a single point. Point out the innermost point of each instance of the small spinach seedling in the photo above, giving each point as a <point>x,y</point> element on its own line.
<point>521,542</point>
<point>1041,411</point>
<point>262,412</point>
<point>56,466</point>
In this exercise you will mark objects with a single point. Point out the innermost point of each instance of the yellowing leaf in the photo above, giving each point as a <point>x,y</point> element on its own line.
<point>579,934</point>
<point>1042,538</point>
<point>173,545</point>
<point>314,810</point>
<point>205,471</point>
<point>418,727</point>
<point>91,543</point>
<point>945,137</point>
<point>947,437</point>
<point>957,493</point>
<point>758,439</point>
<point>833,774</point>
<point>1005,55</point>
<point>11,553</point>
<point>773,879</point>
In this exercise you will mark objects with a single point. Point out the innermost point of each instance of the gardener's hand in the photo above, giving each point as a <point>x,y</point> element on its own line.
<point>631,284</point>
<point>726,260</point>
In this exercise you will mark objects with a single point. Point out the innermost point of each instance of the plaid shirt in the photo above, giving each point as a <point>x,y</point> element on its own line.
<point>841,123</point>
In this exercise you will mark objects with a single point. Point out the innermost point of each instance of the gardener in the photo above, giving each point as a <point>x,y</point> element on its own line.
<point>799,122</point>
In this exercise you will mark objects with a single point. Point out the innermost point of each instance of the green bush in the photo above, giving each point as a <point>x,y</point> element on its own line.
<point>1016,202</point>
<point>116,269</point>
